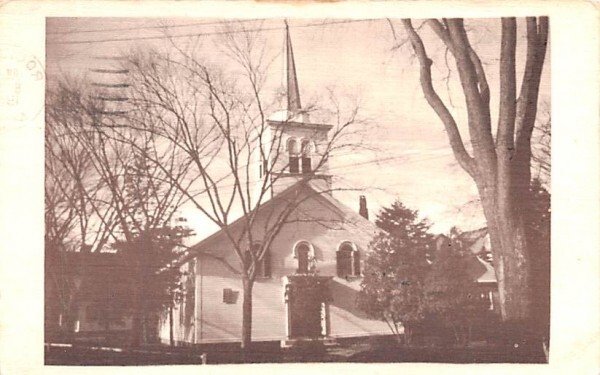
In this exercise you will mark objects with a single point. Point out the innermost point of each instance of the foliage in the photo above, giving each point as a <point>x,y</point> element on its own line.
<point>402,222</point>
<point>107,284</point>
<point>451,296</point>
<point>101,190</point>
<point>395,270</point>
<point>537,229</point>
<point>148,257</point>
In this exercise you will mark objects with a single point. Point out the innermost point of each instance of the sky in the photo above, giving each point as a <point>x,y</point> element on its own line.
<point>406,154</point>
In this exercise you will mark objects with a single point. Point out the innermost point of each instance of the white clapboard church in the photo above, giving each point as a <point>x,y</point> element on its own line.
<point>211,311</point>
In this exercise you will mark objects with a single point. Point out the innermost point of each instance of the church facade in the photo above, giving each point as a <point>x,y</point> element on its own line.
<point>325,243</point>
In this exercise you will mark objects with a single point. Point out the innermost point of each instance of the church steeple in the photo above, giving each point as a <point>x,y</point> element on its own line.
<point>302,141</point>
<point>292,90</point>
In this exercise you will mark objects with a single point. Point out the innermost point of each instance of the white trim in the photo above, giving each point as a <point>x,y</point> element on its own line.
<point>311,249</point>
<point>352,244</point>
<point>285,281</point>
<point>353,259</point>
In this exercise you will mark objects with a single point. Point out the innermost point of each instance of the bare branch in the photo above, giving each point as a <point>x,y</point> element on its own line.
<point>456,142</point>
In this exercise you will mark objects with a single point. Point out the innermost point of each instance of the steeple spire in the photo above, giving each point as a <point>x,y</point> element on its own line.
<point>292,90</point>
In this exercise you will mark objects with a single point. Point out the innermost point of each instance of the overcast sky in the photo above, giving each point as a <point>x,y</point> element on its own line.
<point>412,160</point>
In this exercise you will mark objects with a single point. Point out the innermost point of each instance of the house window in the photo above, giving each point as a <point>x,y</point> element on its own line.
<point>306,157</point>
<point>302,254</point>
<point>348,260</point>
<point>294,160</point>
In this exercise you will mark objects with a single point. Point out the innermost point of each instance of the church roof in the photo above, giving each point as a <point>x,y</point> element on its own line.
<point>350,216</point>
<point>293,91</point>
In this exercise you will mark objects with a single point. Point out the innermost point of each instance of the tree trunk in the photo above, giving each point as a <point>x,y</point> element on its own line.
<point>136,321</point>
<point>407,335</point>
<point>509,251</point>
<point>247,314</point>
<point>171,337</point>
<point>138,316</point>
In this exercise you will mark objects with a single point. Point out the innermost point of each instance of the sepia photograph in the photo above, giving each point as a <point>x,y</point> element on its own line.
<point>281,190</point>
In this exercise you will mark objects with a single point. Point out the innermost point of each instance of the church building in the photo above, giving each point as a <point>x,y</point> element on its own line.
<point>326,243</point>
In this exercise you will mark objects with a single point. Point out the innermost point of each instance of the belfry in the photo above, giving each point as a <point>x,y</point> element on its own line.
<point>303,143</point>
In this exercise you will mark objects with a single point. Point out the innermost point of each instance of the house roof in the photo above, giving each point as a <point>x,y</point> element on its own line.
<point>489,276</point>
<point>478,240</point>
<point>478,243</point>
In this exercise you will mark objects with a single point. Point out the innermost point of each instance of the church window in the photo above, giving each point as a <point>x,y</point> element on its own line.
<point>294,161</point>
<point>230,296</point>
<point>348,260</point>
<point>306,157</point>
<point>263,266</point>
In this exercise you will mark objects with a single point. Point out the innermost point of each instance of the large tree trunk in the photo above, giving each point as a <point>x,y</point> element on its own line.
<point>247,314</point>
<point>509,249</point>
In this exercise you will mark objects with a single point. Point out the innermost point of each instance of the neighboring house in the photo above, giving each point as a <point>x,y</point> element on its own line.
<point>480,265</point>
<point>88,293</point>
<point>322,237</point>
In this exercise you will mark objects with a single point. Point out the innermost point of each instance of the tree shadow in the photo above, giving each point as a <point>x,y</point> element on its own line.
<point>345,298</point>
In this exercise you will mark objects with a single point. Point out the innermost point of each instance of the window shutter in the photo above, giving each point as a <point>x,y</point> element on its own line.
<point>260,268</point>
<point>356,270</point>
<point>306,165</point>
<point>248,259</point>
<point>267,264</point>
<point>294,164</point>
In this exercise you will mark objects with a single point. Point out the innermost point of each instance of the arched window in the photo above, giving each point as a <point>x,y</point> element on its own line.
<point>293,152</point>
<point>263,266</point>
<point>348,260</point>
<point>303,252</point>
<point>306,156</point>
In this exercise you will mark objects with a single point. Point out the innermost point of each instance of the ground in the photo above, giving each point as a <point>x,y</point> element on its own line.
<point>381,349</point>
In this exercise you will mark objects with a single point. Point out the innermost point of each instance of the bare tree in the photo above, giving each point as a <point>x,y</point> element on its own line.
<point>76,219</point>
<point>541,148</point>
<point>500,165</point>
<point>215,116</point>
<point>116,195</point>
